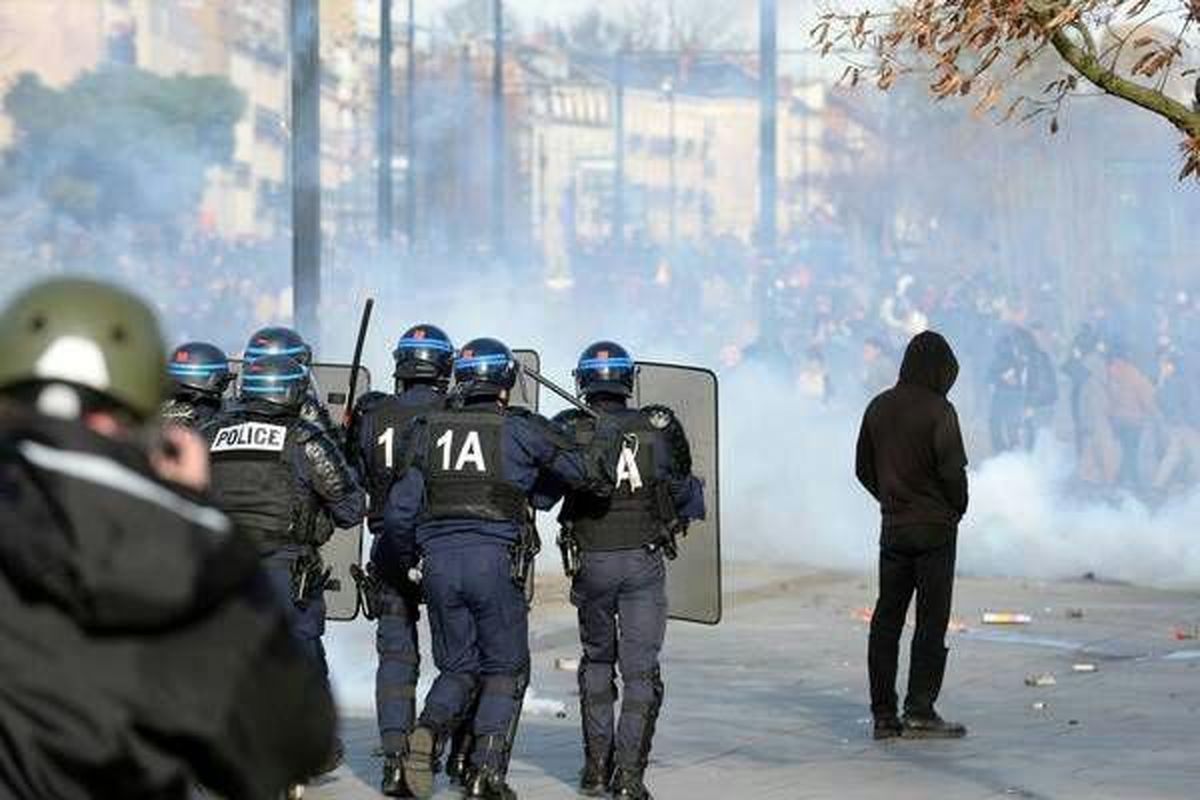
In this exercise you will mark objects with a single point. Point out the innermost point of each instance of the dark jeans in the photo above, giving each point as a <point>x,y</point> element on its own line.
<point>911,559</point>
<point>480,633</point>
<point>622,602</point>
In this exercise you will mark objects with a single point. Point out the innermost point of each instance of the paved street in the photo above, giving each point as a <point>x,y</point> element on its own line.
<point>772,704</point>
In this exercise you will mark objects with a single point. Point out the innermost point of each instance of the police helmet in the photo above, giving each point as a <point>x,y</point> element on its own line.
<point>605,367</point>
<point>424,351</point>
<point>87,335</point>
<point>200,367</point>
<point>278,341</point>
<point>279,380</point>
<point>485,367</point>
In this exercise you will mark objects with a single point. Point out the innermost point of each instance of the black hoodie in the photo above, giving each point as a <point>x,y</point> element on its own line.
<point>910,450</point>
<point>141,648</point>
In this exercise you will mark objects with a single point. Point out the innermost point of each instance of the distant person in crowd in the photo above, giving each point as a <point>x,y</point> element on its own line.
<point>1132,408</point>
<point>1100,452</point>
<point>1008,381</point>
<point>1179,403</point>
<point>1041,387</point>
<point>878,366</point>
<point>812,379</point>
<point>910,457</point>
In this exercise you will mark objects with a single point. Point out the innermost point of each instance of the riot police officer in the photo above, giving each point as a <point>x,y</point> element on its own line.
<point>616,546</point>
<point>199,374</point>
<point>424,359</point>
<point>139,654</point>
<point>285,483</point>
<point>463,500</point>
<point>280,341</point>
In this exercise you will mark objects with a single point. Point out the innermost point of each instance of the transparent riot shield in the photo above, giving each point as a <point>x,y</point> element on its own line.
<point>344,548</point>
<point>527,392</point>
<point>694,578</point>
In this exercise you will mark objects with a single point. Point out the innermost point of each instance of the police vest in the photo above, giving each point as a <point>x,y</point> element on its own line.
<point>463,468</point>
<point>254,482</point>
<point>385,460</point>
<point>631,517</point>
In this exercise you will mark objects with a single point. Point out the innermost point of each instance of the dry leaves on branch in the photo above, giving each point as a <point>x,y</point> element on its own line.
<point>1191,158</point>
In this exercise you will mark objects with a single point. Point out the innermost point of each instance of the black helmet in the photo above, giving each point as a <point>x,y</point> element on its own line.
<point>485,367</point>
<point>424,351</point>
<point>278,380</point>
<point>278,341</point>
<point>605,367</point>
<point>200,367</point>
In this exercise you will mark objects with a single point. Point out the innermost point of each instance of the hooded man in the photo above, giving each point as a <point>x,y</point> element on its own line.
<point>911,458</point>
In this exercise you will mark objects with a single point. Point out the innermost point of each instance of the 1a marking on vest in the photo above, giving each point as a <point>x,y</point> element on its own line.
<point>250,436</point>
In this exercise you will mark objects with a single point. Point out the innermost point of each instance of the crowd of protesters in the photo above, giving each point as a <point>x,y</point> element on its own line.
<point>1123,385</point>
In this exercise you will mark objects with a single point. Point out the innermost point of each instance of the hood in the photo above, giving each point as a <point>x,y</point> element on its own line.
<point>90,530</point>
<point>929,362</point>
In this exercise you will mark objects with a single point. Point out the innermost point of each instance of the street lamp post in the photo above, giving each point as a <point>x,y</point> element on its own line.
<point>668,89</point>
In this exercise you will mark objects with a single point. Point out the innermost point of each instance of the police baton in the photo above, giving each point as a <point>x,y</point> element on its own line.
<point>356,364</point>
<point>558,390</point>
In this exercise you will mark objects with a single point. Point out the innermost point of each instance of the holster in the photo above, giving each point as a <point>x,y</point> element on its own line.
<point>568,548</point>
<point>673,528</point>
<point>524,553</point>
<point>310,577</point>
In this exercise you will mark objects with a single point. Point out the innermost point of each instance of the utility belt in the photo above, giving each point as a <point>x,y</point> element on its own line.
<point>671,530</point>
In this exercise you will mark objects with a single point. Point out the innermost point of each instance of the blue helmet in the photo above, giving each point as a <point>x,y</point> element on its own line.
<point>485,367</point>
<point>279,380</point>
<point>278,341</point>
<point>424,351</point>
<point>605,367</point>
<point>199,367</point>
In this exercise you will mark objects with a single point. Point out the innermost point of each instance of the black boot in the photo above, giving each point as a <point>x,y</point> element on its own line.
<point>487,783</point>
<point>627,784</point>
<point>931,727</point>
<point>887,727</point>
<point>418,762</point>
<point>595,777</point>
<point>393,783</point>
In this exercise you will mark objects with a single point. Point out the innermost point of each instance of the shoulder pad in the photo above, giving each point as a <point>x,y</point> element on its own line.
<point>659,417</point>
<point>568,417</point>
<point>369,401</point>
<point>306,431</point>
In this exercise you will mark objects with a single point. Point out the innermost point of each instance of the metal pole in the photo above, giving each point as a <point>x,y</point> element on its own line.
<point>498,239</point>
<point>304,46</point>
<point>618,210</point>
<point>410,131</point>
<point>384,143</point>
<point>672,177</point>
<point>768,146</point>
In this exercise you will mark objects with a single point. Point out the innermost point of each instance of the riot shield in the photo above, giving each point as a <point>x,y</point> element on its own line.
<point>527,392</point>
<point>694,578</point>
<point>344,548</point>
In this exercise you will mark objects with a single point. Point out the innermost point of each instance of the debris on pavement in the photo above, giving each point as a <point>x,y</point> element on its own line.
<point>1039,706</point>
<point>1074,613</point>
<point>1040,680</point>
<point>1186,632</point>
<point>566,664</point>
<point>1006,618</point>
<point>1084,667</point>
<point>864,614</point>
<point>958,626</point>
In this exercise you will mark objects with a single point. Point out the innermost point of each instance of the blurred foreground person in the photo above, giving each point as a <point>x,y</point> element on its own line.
<point>199,375</point>
<point>286,485</point>
<point>911,458</point>
<point>618,546</point>
<point>141,649</point>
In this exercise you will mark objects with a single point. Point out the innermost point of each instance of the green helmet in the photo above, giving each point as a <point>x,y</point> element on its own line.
<point>87,334</point>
